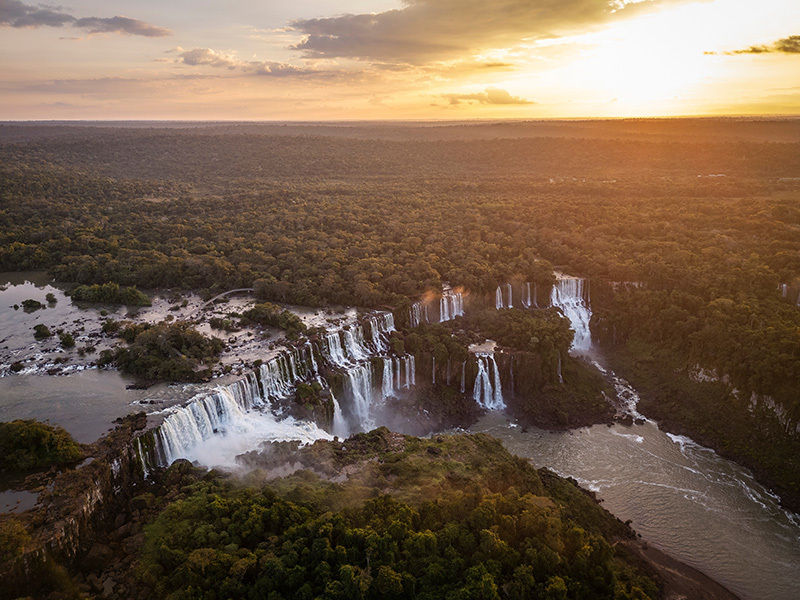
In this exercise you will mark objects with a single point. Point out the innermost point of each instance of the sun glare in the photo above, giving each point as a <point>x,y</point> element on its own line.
<point>652,59</point>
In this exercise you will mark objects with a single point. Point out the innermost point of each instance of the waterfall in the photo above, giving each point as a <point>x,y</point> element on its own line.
<point>511,374</point>
<point>526,297</point>
<point>277,378</point>
<point>433,371</point>
<point>214,427</point>
<point>784,289</point>
<point>311,358</point>
<point>335,352</point>
<point>380,323</point>
<point>358,386</point>
<point>398,373</point>
<point>414,315</point>
<point>142,458</point>
<point>535,295</point>
<point>339,422</point>
<point>498,298</point>
<point>560,378</point>
<point>509,304</point>
<point>418,314</point>
<point>463,376</point>
<point>387,381</point>
<point>487,391</point>
<point>354,343</point>
<point>567,295</point>
<point>451,305</point>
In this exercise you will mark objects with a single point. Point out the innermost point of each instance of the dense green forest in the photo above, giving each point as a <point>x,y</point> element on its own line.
<point>462,520</point>
<point>696,227</point>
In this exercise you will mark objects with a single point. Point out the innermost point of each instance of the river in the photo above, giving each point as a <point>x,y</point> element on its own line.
<point>681,497</point>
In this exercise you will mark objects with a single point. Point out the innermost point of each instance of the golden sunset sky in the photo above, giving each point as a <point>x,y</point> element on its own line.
<point>397,59</point>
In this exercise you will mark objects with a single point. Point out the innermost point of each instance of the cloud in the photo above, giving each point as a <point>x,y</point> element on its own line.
<point>492,95</point>
<point>212,58</point>
<point>14,13</point>
<point>430,30</point>
<point>123,25</point>
<point>787,45</point>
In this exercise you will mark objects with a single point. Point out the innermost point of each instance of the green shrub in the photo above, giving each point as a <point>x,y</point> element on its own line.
<point>169,352</point>
<point>67,340</point>
<point>41,332</point>
<point>31,305</point>
<point>110,293</point>
<point>30,444</point>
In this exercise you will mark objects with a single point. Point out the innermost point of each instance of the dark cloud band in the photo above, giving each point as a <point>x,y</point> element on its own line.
<point>787,45</point>
<point>14,13</point>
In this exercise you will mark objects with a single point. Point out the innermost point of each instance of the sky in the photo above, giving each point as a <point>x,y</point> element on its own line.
<point>397,59</point>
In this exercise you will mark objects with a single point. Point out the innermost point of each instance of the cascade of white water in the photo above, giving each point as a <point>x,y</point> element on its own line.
<point>433,371</point>
<point>142,458</point>
<point>498,298</point>
<point>277,378</point>
<point>335,352</point>
<point>567,295</point>
<point>418,314</point>
<point>292,365</point>
<point>487,391</point>
<point>560,378</point>
<point>463,376</point>
<point>354,343</point>
<point>398,373</point>
<point>413,369</point>
<point>511,374</point>
<point>497,396</point>
<point>246,392</point>
<point>451,305</point>
<point>526,295</point>
<point>380,324</point>
<point>198,421</point>
<point>414,315</point>
<point>535,295</point>
<point>339,422</point>
<point>398,366</point>
<point>387,381</point>
<point>214,428</point>
<point>509,304</point>
<point>358,385</point>
<point>310,351</point>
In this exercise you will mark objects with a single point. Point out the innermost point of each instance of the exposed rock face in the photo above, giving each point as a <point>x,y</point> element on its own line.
<point>62,527</point>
